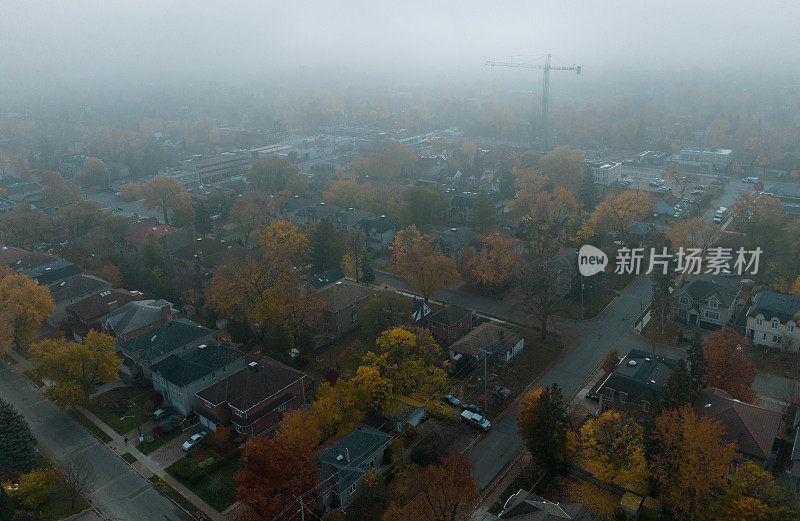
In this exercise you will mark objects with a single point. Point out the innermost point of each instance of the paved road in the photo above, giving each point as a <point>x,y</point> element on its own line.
<point>118,492</point>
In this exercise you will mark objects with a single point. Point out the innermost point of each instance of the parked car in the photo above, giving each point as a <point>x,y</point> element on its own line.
<point>194,441</point>
<point>750,180</point>
<point>451,400</point>
<point>476,420</point>
<point>664,189</point>
<point>471,408</point>
<point>653,183</point>
<point>162,413</point>
<point>592,397</point>
<point>659,180</point>
<point>697,192</point>
<point>170,424</point>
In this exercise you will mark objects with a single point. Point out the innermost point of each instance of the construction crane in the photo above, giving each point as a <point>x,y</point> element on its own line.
<point>546,68</point>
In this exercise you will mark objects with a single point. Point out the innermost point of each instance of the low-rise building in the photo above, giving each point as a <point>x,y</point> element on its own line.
<point>10,255</point>
<point>53,272</point>
<point>636,384</point>
<point>773,320</point>
<point>84,315</point>
<point>137,317</point>
<point>139,237</point>
<point>752,428</point>
<point>345,462</point>
<point>708,301</point>
<point>651,158</point>
<point>344,303</point>
<point>452,241</point>
<point>181,375</point>
<point>379,231</point>
<point>605,172</point>
<point>72,290</point>
<point>254,399</point>
<point>704,160</point>
<point>498,344</point>
<point>217,167</point>
<point>526,506</point>
<point>449,324</point>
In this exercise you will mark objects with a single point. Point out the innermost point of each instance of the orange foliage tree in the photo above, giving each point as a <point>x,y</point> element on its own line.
<point>727,365</point>
<point>28,303</point>
<point>494,263</point>
<point>276,471</point>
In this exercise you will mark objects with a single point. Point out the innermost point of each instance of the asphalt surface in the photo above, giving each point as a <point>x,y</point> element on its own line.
<point>121,207</point>
<point>118,492</point>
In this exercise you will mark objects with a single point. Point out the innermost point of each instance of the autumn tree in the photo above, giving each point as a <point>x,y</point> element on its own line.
<point>549,221</point>
<point>112,274</point>
<point>250,213</point>
<point>132,191</point>
<point>538,291</point>
<point>386,309</point>
<point>276,471</point>
<point>17,444</point>
<point>75,368</point>
<point>167,194</point>
<point>421,205</point>
<point>28,303</point>
<point>482,214</point>
<point>543,425</point>
<point>690,461</point>
<point>618,212</point>
<point>662,296</point>
<point>93,173</point>
<point>444,492</point>
<point>389,161</point>
<point>727,364</point>
<point>611,447</point>
<point>429,272</point>
<point>694,233</point>
<point>611,360</point>
<point>406,239</point>
<point>678,390</point>
<point>674,174</point>
<point>751,494</point>
<point>495,262</point>
<point>77,475</point>
<point>56,190</point>
<point>697,363</point>
<point>33,489</point>
<point>274,175</point>
<point>563,166</point>
<point>355,259</point>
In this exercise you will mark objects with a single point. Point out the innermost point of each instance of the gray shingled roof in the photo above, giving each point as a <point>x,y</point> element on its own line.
<point>76,287</point>
<point>640,375</point>
<point>449,315</point>
<point>772,304</point>
<point>358,446</point>
<point>165,339</point>
<point>182,369</point>
<point>702,287</point>
<point>135,315</point>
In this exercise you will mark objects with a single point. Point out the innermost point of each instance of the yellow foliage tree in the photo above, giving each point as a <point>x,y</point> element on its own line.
<point>28,303</point>
<point>373,389</point>
<point>74,367</point>
<point>616,213</point>
<point>301,427</point>
<point>34,489</point>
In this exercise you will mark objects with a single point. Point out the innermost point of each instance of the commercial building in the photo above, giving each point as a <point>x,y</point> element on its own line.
<point>703,160</point>
<point>605,172</point>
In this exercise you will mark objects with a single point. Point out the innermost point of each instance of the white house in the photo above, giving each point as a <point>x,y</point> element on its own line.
<point>772,320</point>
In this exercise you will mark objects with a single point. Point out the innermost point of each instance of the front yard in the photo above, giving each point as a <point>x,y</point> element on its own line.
<point>122,408</point>
<point>775,361</point>
<point>209,473</point>
<point>58,504</point>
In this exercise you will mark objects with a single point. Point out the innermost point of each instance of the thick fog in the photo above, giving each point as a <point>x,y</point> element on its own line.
<point>91,43</point>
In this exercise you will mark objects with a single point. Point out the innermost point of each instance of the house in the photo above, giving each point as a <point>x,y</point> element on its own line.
<point>406,411</point>
<point>10,255</point>
<point>52,272</point>
<point>378,231</point>
<point>140,236</point>
<point>452,241</point>
<point>290,207</point>
<point>663,208</point>
<point>707,301</point>
<point>419,310</point>
<point>345,462</point>
<point>497,343</point>
<point>85,315</point>
<point>201,255</point>
<point>772,320</point>
<point>348,219</point>
<point>344,303</point>
<point>254,399</point>
<point>173,336</point>
<point>181,375</point>
<point>326,278</point>
<point>32,261</point>
<point>449,324</point>
<point>636,384</point>
<point>525,506</point>
<point>72,290</point>
<point>137,317</point>
<point>752,428</point>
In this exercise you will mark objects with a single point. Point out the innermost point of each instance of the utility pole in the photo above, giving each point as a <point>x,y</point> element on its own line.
<point>582,296</point>
<point>485,385</point>
<point>302,509</point>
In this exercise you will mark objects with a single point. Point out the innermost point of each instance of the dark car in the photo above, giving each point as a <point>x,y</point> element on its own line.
<point>471,408</point>
<point>592,397</point>
<point>163,413</point>
<point>451,400</point>
<point>170,424</point>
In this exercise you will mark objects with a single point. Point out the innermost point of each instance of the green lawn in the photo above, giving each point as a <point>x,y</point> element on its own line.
<point>218,487</point>
<point>130,458</point>
<point>146,447</point>
<point>775,361</point>
<point>173,494</point>
<point>113,405</point>
<point>91,427</point>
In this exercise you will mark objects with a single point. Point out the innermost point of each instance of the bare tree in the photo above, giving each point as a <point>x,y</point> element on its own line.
<point>77,475</point>
<point>539,289</point>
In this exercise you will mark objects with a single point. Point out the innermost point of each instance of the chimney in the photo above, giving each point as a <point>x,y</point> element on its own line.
<point>347,455</point>
<point>166,312</point>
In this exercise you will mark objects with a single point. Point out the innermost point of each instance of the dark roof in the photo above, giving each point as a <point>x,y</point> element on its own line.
<point>326,278</point>
<point>207,250</point>
<point>165,339</point>
<point>251,385</point>
<point>343,293</point>
<point>91,308</point>
<point>75,287</point>
<point>525,506</point>
<point>378,224</point>
<point>57,270</point>
<point>641,376</point>
<point>702,287</point>
<point>140,236</point>
<point>455,238</point>
<point>358,446</point>
<point>449,315</point>
<point>752,428</point>
<point>9,255</point>
<point>33,260</point>
<point>489,337</point>
<point>181,369</point>
<point>291,204</point>
<point>772,304</point>
<point>135,315</point>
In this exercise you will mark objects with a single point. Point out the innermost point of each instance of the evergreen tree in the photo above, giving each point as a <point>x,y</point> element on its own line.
<point>543,424</point>
<point>17,444</point>
<point>697,363</point>
<point>587,193</point>
<point>326,252</point>
<point>6,506</point>
<point>483,213</point>
<point>202,219</point>
<point>368,274</point>
<point>679,390</point>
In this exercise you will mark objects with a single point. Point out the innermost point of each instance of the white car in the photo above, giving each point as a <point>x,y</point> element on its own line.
<point>194,440</point>
<point>476,420</point>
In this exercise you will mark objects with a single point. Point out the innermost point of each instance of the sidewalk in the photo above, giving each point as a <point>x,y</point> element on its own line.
<point>147,467</point>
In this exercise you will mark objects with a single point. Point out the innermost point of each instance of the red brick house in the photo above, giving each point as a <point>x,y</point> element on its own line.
<point>344,306</point>
<point>449,324</point>
<point>85,315</point>
<point>253,400</point>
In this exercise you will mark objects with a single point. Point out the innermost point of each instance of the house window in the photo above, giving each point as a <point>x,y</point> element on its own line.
<point>712,315</point>
<point>790,328</point>
<point>682,313</point>
<point>645,406</point>
<point>764,337</point>
<point>774,324</point>
<point>282,408</point>
<point>713,304</point>
<point>684,300</point>
<point>759,322</point>
<point>623,397</point>
<point>776,339</point>
<point>354,316</point>
<point>352,489</point>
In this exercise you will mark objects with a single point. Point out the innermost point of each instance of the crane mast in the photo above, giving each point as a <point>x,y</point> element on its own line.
<point>546,68</point>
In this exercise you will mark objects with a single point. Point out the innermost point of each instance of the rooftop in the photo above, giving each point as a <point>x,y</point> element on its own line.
<point>487,336</point>
<point>343,293</point>
<point>137,314</point>
<point>59,269</point>
<point>140,236</point>
<point>771,304</point>
<point>167,338</point>
<point>183,368</point>
<point>450,314</point>
<point>641,375</point>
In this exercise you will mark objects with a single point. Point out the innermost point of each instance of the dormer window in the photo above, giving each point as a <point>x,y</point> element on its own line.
<point>790,328</point>
<point>610,392</point>
<point>684,300</point>
<point>775,324</point>
<point>759,322</point>
<point>713,303</point>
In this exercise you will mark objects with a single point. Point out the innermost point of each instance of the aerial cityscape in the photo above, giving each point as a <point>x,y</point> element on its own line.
<point>383,261</point>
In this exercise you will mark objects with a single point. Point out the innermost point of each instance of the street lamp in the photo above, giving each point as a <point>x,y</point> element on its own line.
<point>138,428</point>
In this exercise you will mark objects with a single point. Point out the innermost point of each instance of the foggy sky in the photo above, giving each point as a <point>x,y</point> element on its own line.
<point>142,40</point>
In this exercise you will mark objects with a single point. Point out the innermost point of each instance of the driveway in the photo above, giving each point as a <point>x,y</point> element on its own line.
<point>117,491</point>
<point>172,451</point>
